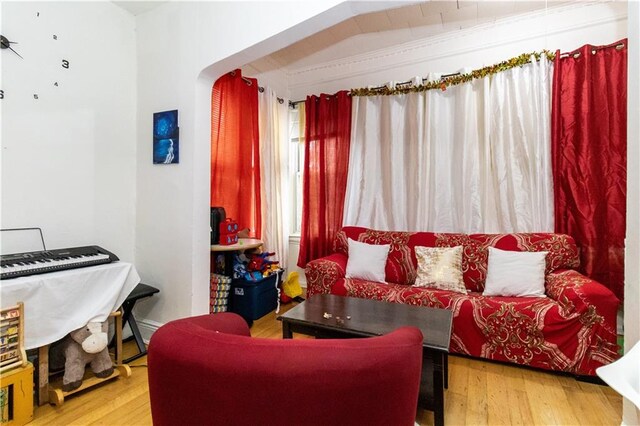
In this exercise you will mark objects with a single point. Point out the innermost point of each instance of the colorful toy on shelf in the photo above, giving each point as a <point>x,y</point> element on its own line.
<point>253,276</point>
<point>260,263</point>
<point>239,267</point>
<point>271,269</point>
<point>228,232</point>
<point>254,267</point>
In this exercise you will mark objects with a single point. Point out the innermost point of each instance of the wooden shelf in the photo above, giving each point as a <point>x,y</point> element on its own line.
<point>242,244</point>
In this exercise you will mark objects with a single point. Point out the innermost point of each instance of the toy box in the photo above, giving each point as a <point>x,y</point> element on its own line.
<point>254,299</point>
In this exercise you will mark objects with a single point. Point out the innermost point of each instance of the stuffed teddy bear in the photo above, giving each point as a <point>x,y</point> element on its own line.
<point>81,347</point>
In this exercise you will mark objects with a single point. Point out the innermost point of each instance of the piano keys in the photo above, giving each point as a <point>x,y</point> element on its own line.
<point>40,262</point>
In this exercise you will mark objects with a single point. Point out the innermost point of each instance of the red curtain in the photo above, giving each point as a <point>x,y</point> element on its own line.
<point>235,165</point>
<point>327,138</point>
<point>589,149</point>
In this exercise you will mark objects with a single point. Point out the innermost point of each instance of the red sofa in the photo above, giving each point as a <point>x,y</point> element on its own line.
<point>572,330</point>
<point>208,370</point>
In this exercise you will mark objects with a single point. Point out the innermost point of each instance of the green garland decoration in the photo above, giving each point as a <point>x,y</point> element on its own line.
<point>518,61</point>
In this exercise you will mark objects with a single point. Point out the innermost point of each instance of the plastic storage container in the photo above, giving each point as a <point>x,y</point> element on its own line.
<point>254,299</point>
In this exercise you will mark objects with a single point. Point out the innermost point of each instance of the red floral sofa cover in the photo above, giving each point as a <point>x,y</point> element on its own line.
<point>572,330</point>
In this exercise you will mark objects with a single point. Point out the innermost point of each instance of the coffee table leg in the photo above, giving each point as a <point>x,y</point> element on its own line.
<point>286,330</point>
<point>446,371</point>
<point>438,360</point>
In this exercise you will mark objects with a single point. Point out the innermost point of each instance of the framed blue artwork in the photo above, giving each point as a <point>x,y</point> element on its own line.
<point>166,140</point>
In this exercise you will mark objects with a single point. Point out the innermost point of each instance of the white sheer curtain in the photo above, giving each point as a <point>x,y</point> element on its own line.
<point>472,158</point>
<point>273,122</point>
<point>520,134</point>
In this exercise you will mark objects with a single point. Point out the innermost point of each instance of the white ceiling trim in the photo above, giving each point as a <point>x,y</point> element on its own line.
<point>353,66</point>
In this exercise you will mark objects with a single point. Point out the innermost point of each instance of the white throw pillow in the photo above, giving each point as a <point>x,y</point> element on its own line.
<point>440,268</point>
<point>515,273</point>
<point>367,261</point>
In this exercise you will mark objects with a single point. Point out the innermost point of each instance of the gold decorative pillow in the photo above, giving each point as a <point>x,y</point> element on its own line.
<point>440,268</point>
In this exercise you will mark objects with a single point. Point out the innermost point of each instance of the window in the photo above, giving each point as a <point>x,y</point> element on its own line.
<point>296,166</point>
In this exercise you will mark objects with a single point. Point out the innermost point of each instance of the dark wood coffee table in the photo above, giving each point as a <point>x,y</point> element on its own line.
<point>353,317</point>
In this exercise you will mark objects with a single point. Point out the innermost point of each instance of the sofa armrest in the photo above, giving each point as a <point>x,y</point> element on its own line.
<point>323,273</point>
<point>578,294</point>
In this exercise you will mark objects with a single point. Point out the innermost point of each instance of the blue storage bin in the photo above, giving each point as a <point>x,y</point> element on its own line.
<point>254,299</point>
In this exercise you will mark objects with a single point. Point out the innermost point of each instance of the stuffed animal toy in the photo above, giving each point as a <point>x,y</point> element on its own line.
<point>83,346</point>
<point>259,262</point>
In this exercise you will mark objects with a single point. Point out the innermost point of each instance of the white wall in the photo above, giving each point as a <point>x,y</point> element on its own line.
<point>632,253</point>
<point>183,47</point>
<point>565,28</point>
<point>68,158</point>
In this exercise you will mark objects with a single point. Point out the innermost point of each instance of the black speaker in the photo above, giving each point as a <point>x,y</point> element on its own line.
<point>217,215</point>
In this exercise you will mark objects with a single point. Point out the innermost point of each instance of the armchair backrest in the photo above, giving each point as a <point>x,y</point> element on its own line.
<point>208,370</point>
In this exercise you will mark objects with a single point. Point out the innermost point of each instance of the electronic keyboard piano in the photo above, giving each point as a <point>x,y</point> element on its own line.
<point>40,262</point>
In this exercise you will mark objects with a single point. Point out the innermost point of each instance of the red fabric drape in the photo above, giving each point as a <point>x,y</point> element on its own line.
<point>589,149</point>
<point>327,138</point>
<point>235,165</point>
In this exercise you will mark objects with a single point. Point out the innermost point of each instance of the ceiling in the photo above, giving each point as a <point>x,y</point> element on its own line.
<point>382,29</point>
<point>138,7</point>
<point>392,27</point>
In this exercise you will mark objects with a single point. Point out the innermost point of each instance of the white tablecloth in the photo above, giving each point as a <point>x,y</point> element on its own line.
<point>59,302</point>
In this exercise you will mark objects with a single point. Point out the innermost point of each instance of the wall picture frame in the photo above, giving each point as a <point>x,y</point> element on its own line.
<point>166,137</point>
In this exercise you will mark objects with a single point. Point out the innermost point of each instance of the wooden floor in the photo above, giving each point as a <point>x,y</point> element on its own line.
<point>480,393</point>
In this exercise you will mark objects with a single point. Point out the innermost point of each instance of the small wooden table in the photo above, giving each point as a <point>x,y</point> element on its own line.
<point>230,250</point>
<point>373,318</point>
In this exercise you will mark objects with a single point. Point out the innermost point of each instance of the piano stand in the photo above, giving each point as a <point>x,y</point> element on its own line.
<point>139,292</point>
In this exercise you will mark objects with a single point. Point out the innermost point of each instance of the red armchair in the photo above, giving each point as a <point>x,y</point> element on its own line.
<point>208,370</point>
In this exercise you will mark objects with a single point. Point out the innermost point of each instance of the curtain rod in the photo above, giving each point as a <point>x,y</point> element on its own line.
<point>454,79</point>
<point>292,104</point>
<point>404,83</point>
<point>594,49</point>
<point>261,90</point>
